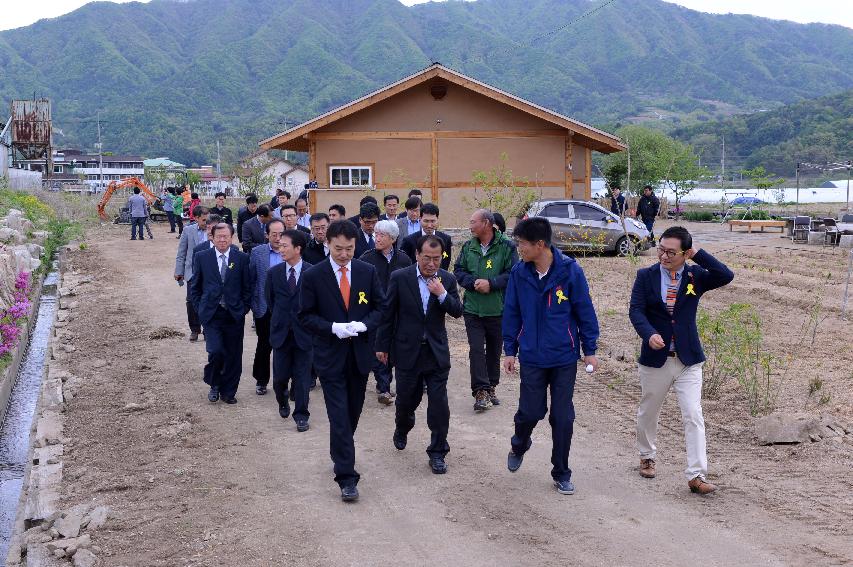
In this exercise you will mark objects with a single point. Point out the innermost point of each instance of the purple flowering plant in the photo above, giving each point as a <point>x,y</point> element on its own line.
<point>13,317</point>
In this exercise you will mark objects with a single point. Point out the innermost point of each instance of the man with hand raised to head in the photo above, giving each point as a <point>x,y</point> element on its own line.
<point>663,311</point>
<point>341,302</point>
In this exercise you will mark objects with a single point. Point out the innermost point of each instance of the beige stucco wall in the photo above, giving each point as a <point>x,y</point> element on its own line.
<point>416,110</point>
<point>389,158</point>
<point>537,159</point>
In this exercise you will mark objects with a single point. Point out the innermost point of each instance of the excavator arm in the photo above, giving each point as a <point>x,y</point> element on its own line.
<point>123,184</point>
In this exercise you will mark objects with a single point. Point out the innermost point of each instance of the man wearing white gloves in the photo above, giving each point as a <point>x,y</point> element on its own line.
<point>341,301</point>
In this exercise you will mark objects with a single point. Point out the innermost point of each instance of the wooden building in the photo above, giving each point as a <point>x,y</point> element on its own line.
<point>432,130</point>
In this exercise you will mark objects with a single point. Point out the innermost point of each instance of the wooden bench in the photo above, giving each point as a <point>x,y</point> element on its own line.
<point>749,224</point>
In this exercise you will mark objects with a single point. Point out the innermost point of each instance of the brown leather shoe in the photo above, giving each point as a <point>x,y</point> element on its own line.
<point>385,398</point>
<point>699,486</point>
<point>647,468</point>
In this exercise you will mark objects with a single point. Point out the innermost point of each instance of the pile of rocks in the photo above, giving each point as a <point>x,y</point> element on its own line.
<point>65,535</point>
<point>787,429</point>
<point>21,250</point>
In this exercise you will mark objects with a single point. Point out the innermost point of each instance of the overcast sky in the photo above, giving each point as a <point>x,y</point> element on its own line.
<point>17,13</point>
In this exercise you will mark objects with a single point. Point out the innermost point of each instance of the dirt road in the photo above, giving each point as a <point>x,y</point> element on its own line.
<point>193,483</point>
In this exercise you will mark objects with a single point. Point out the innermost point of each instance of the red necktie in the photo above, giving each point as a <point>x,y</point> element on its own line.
<point>345,287</point>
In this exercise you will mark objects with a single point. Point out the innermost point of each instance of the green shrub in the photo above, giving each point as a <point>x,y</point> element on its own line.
<point>698,216</point>
<point>757,214</point>
<point>734,345</point>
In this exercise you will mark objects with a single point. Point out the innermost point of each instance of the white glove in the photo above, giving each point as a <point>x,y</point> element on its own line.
<point>342,331</point>
<point>356,327</point>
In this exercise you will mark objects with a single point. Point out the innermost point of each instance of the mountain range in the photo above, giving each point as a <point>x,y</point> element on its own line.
<point>171,78</point>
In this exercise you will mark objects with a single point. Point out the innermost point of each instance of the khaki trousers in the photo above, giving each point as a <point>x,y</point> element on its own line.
<point>656,383</point>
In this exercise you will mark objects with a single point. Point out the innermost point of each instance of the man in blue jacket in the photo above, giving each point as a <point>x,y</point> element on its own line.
<point>548,315</point>
<point>663,311</point>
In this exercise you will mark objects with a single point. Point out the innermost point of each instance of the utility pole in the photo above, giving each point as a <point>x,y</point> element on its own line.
<point>723,166</point>
<point>100,156</point>
<point>849,163</point>
<point>218,169</point>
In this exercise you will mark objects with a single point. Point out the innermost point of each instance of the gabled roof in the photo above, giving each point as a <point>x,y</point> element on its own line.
<point>293,139</point>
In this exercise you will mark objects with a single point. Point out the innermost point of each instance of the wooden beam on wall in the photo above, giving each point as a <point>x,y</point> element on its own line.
<point>312,160</point>
<point>433,175</point>
<point>568,172</point>
<point>401,135</point>
<point>588,175</point>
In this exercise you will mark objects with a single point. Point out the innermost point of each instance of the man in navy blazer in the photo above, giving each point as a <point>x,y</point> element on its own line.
<point>261,260</point>
<point>341,302</point>
<point>291,343</point>
<point>212,220</point>
<point>221,291</point>
<point>414,334</point>
<point>663,311</point>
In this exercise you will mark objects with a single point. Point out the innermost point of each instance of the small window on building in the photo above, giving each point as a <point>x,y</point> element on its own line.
<point>57,169</point>
<point>349,176</point>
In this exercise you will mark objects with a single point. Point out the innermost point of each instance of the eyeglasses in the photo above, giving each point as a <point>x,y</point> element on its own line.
<point>669,253</point>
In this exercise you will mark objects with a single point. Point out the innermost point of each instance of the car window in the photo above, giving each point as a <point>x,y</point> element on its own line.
<point>556,210</point>
<point>584,212</point>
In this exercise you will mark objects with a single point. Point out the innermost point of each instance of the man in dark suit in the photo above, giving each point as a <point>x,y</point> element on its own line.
<point>367,219</point>
<point>245,213</point>
<point>255,229</point>
<point>317,248</point>
<point>261,260</point>
<point>414,193</point>
<point>291,343</point>
<point>414,334</point>
<point>364,200</point>
<point>386,258</point>
<point>391,203</point>
<point>194,235</point>
<point>663,311</point>
<point>337,212</point>
<point>429,226</point>
<point>341,302</point>
<point>221,291</point>
<point>290,217</point>
<point>410,221</point>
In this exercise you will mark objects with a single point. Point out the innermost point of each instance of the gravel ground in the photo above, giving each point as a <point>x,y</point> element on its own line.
<point>192,483</point>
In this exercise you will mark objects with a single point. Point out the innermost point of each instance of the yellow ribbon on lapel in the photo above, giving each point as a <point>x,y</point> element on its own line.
<point>362,298</point>
<point>561,296</point>
<point>488,263</point>
<point>444,254</point>
<point>690,290</point>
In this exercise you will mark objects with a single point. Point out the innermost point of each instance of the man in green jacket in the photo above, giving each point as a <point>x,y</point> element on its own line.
<point>482,269</point>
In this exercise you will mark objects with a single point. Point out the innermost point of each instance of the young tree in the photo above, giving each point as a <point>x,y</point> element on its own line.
<point>253,179</point>
<point>683,172</point>
<point>650,152</point>
<point>498,190</point>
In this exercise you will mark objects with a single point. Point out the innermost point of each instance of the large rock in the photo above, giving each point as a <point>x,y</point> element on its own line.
<point>11,235</point>
<point>24,261</point>
<point>846,241</point>
<point>85,558</point>
<point>798,428</point>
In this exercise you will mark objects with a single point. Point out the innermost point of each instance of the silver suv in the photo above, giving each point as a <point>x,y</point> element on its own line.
<point>584,226</point>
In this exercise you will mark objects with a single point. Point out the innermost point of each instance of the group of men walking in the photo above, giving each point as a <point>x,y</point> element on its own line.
<point>346,297</point>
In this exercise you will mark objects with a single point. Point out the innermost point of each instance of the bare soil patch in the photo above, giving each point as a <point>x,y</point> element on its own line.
<point>192,483</point>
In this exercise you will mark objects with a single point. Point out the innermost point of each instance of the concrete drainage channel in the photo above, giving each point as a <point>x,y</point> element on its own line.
<point>17,423</point>
<point>34,531</point>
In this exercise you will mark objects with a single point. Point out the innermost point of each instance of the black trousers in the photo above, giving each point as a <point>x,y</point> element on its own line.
<point>179,220</point>
<point>533,404</point>
<point>224,343</point>
<point>410,391</point>
<point>484,351</point>
<point>261,365</point>
<point>171,216</point>
<point>344,396</point>
<point>192,316</point>
<point>291,366</point>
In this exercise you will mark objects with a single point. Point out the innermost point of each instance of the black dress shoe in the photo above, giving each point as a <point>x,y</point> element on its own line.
<point>213,394</point>
<point>284,411</point>
<point>193,336</point>
<point>302,425</point>
<point>229,400</point>
<point>260,390</point>
<point>514,460</point>
<point>437,465</point>
<point>399,440</point>
<point>349,493</point>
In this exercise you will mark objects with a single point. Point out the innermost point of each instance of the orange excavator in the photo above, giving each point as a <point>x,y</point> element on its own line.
<point>124,184</point>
